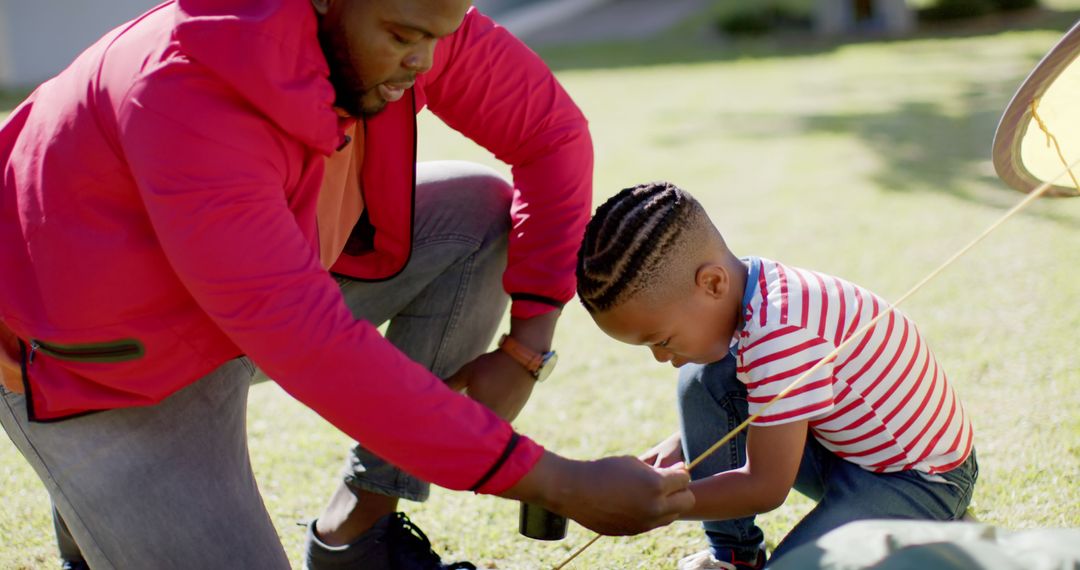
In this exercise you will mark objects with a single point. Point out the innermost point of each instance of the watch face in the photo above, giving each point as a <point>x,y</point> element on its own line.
<point>550,360</point>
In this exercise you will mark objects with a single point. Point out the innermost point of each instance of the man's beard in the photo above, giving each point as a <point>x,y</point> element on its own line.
<point>349,89</point>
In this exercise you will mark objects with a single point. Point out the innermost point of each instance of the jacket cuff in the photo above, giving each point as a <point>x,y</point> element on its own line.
<point>508,470</point>
<point>526,306</point>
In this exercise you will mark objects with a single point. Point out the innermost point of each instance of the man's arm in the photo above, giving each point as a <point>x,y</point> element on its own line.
<point>489,86</point>
<point>214,189</point>
<point>773,455</point>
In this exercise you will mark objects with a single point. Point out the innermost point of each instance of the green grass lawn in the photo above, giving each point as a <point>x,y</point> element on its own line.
<point>869,161</point>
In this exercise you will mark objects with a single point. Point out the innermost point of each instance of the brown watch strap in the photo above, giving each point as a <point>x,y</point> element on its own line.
<point>530,359</point>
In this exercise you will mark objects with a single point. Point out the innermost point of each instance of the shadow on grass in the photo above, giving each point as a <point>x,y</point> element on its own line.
<point>922,146</point>
<point>925,148</point>
<point>700,44</point>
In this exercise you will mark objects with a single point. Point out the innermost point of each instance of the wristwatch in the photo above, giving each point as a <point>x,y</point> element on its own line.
<point>539,364</point>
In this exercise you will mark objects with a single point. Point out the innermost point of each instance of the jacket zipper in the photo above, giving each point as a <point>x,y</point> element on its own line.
<point>118,351</point>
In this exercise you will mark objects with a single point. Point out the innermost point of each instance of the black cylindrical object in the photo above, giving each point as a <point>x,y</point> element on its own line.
<point>540,523</point>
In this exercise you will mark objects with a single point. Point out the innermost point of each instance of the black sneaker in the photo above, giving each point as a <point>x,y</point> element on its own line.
<point>410,548</point>
<point>393,543</point>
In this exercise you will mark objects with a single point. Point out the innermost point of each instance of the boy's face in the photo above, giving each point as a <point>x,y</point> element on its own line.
<point>693,327</point>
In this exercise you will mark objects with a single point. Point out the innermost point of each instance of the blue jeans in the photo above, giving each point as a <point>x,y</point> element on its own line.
<point>171,485</point>
<point>712,401</point>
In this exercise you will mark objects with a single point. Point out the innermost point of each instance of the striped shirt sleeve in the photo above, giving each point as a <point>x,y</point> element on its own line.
<point>775,360</point>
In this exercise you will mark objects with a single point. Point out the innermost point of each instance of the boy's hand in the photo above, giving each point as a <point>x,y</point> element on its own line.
<point>614,495</point>
<point>666,453</point>
<point>773,456</point>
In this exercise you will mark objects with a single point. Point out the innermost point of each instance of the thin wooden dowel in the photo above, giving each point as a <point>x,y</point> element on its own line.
<point>577,552</point>
<point>1031,197</point>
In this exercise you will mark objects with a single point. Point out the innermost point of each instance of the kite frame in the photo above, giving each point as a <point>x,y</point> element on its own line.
<point>1017,118</point>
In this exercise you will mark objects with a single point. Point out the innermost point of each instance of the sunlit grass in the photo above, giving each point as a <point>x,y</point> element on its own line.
<point>869,161</point>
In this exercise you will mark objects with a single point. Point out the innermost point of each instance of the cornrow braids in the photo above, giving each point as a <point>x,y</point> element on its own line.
<point>626,241</point>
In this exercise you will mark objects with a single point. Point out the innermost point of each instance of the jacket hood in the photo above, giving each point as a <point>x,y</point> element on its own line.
<point>268,51</point>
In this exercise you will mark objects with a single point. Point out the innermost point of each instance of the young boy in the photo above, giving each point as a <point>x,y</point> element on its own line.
<point>874,433</point>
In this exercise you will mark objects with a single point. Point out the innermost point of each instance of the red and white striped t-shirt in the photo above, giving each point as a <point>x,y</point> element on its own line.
<point>883,403</point>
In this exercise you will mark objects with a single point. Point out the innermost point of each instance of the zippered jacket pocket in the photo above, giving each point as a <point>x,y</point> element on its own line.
<point>121,350</point>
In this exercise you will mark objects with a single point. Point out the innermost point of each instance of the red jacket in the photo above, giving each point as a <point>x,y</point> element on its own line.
<point>157,218</point>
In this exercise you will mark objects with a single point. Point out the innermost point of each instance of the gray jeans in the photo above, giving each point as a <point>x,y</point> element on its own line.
<point>444,309</point>
<point>171,485</point>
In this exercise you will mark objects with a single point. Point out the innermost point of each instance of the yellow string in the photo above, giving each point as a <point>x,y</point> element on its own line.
<point>1035,194</point>
<point>1050,138</point>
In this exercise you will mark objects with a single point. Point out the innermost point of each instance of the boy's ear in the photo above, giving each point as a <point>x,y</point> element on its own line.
<point>714,279</point>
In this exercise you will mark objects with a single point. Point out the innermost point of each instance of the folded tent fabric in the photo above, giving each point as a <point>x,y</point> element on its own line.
<point>905,544</point>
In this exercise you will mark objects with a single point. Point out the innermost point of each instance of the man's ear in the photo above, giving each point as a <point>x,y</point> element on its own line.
<point>321,6</point>
<point>714,280</point>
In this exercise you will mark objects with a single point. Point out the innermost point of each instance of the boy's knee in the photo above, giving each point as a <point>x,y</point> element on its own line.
<point>690,381</point>
<point>713,386</point>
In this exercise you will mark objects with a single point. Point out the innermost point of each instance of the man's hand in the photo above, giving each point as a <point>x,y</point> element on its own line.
<point>624,496</point>
<point>496,381</point>
<point>666,453</point>
<point>614,495</point>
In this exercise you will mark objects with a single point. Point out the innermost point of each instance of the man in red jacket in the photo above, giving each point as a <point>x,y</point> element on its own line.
<point>216,183</point>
